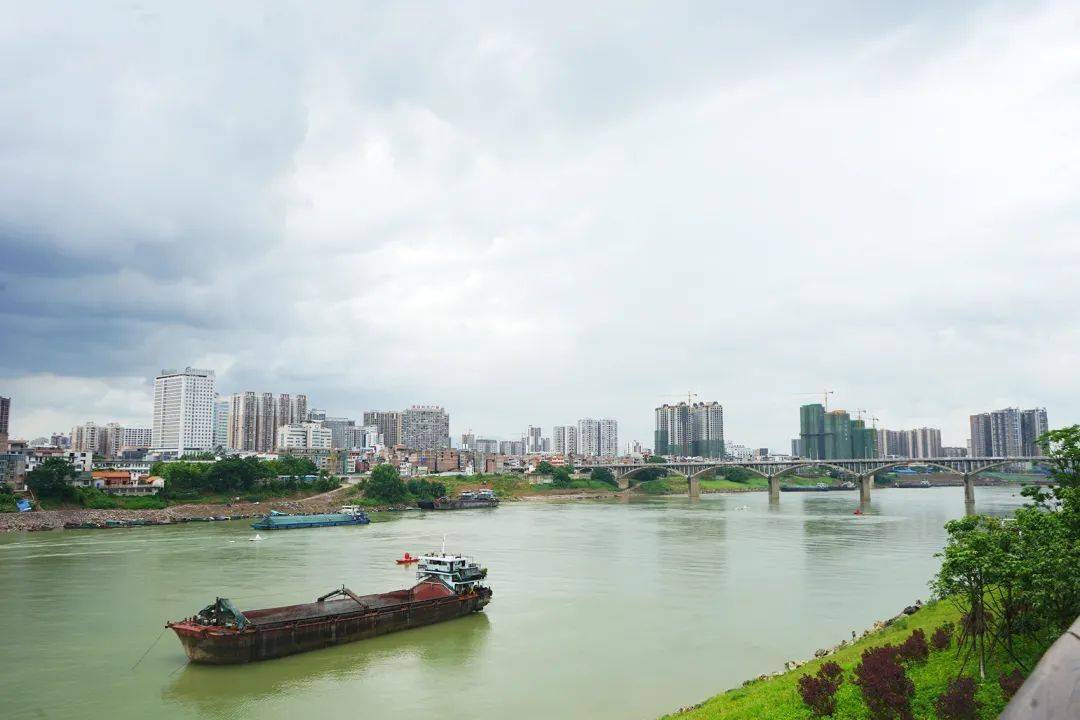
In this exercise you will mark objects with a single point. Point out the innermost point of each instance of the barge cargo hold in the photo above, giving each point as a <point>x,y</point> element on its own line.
<point>449,587</point>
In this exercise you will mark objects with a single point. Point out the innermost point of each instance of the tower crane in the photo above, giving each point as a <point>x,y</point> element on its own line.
<point>690,395</point>
<point>824,396</point>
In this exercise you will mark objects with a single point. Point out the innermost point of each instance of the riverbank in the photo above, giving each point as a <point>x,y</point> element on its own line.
<point>40,520</point>
<point>776,695</point>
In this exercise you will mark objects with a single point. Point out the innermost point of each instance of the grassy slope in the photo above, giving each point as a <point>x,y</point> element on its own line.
<point>778,697</point>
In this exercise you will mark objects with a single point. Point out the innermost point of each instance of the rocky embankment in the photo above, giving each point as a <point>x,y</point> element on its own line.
<point>84,518</point>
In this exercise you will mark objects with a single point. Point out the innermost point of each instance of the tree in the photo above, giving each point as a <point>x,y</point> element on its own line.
<point>603,475</point>
<point>560,477</point>
<point>385,485</point>
<point>50,478</point>
<point>655,459</point>
<point>544,468</point>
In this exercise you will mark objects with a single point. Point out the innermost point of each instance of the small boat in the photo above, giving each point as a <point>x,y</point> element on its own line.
<point>407,560</point>
<point>257,538</point>
<point>465,501</point>
<point>858,511</point>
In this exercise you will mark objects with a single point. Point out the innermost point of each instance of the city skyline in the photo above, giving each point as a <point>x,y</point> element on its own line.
<point>519,255</point>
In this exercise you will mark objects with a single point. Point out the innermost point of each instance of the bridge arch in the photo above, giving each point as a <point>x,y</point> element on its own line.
<point>630,473</point>
<point>1000,463</point>
<point>721,466</point>
<point>817,463</point>
<point>914,461</point>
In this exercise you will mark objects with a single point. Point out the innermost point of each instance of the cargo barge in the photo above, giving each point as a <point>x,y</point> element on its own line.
<point>820,487</point>
<point>349,515</point>
<point>465,501</point>
<point>448,587</point>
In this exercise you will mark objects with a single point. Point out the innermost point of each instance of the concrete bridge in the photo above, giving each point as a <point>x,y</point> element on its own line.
<point>860,470</point>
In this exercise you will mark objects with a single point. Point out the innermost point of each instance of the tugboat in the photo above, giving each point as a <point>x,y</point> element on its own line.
<point>449,586</point>
<point>349,515</point>
<point>465,501</point>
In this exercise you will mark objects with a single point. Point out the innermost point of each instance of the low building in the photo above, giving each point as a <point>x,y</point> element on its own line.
<point>304,435</point>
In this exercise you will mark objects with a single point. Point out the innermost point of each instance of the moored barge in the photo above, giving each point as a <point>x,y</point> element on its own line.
<point>349,515</point>
<point>465,501</point>
<point>449,586</point>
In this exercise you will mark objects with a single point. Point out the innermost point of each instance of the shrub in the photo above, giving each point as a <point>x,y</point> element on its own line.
<point>885,686</point>
<point>942,637</point>
<point>915,649</point>
<point>385,485</point>
<point>1010,683</point>
<point>819,691</point>
<point>603,475</point>
<point>958,701</point>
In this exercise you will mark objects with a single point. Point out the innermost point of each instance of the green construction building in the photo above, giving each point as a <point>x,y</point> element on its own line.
<point>833,435</point>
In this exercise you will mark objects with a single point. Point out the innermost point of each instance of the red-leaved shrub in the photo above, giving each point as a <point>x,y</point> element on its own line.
<point>1010,683</point>
<point>885,686</point>
<point>958,701</point>
<point>915,649</point>
<point>819,691</point>
<point>942,637</point>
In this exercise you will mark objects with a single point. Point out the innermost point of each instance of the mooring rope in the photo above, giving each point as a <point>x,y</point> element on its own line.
<point>149,648</point>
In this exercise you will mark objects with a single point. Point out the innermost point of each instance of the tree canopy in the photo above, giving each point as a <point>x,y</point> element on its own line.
<point>603,475</point>
<point>50,479</point>
<point>385,485</point>
<point>544,468</point>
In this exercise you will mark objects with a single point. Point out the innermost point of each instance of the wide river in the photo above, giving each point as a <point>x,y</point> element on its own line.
<point>601,609</point>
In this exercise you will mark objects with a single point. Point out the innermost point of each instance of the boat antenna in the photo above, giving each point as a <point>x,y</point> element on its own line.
<point>444,544</point>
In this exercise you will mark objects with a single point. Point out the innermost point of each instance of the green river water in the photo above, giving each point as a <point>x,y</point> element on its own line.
<point>601,609</point>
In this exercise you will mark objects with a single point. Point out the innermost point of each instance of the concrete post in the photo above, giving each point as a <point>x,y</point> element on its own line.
<point>695,486</point>
<point>865,483</point>
<point>969,489</point>
<point>774,488</point>
<point>624,481</point>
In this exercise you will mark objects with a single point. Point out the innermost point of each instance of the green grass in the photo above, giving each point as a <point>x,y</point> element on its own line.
<point>778,697</point>
<point>753,483</point>
<point>672,484</point>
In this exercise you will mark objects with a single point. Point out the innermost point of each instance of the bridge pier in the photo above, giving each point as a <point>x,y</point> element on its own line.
<point>695,486</point>
<point>969,491</point>
<point>866,482</point>
<point>774,488</point>
<point>624,481</point>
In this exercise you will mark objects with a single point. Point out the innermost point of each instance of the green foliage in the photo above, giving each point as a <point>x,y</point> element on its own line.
<point>7,503</point>
<point>385,485</point>
<point>292,465</point>
<point>736,474</point>
<point>50,479</point>
<point>544,468</point>
<point>426,489</point>
<point>603,475</point>
<point>655,459</point>
<point>1017,579</point>
<point>649,474</point>
<point>560,477</point>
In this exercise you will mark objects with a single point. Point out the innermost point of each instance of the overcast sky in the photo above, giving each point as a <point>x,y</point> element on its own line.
<point>532,213</point>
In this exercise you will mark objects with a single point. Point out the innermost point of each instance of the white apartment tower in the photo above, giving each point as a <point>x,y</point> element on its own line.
<point>598,437</point>
<point>425,427</point>
<point>183,411</point>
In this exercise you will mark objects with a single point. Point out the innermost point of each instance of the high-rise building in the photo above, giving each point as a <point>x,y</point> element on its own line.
<point>222,408</point>
<point>924,443</point>
<point>690,430</point>
<point>564,440</point>
<point>796,447</point>
<point>487,446</point>
<point>812,430</point>
<point>1033,424</point>
<point>425,427</point>
<point>981,442</point>
<point>953,452</point>
<point>183,411</point>
<point>5,422</point>
<point>252,419</point>
<point>88,437</point>
<point>534,441</point>
<point>468,440</point>
<point>339,428</point>
<point>598,438</point>
<point>389,424</point>
<point>60,440</point>
<point>134,437</point>
<point>1001,433</point>
<point>511,447</point>
<point>834,435</point>
<point>892,444</point>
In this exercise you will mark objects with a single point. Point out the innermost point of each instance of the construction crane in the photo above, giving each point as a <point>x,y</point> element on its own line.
<point>874,421</point>
<point>690,395</point>
<point>859,412</point>
<point>824,396</point>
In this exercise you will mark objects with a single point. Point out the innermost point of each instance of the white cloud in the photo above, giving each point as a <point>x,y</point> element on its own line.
<point>529,222</point>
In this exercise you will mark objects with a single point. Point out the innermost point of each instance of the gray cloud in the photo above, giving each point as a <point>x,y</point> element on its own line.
<point>536,213</point>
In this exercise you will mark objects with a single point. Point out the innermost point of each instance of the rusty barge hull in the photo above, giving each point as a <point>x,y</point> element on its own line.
<point>281,631</point>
